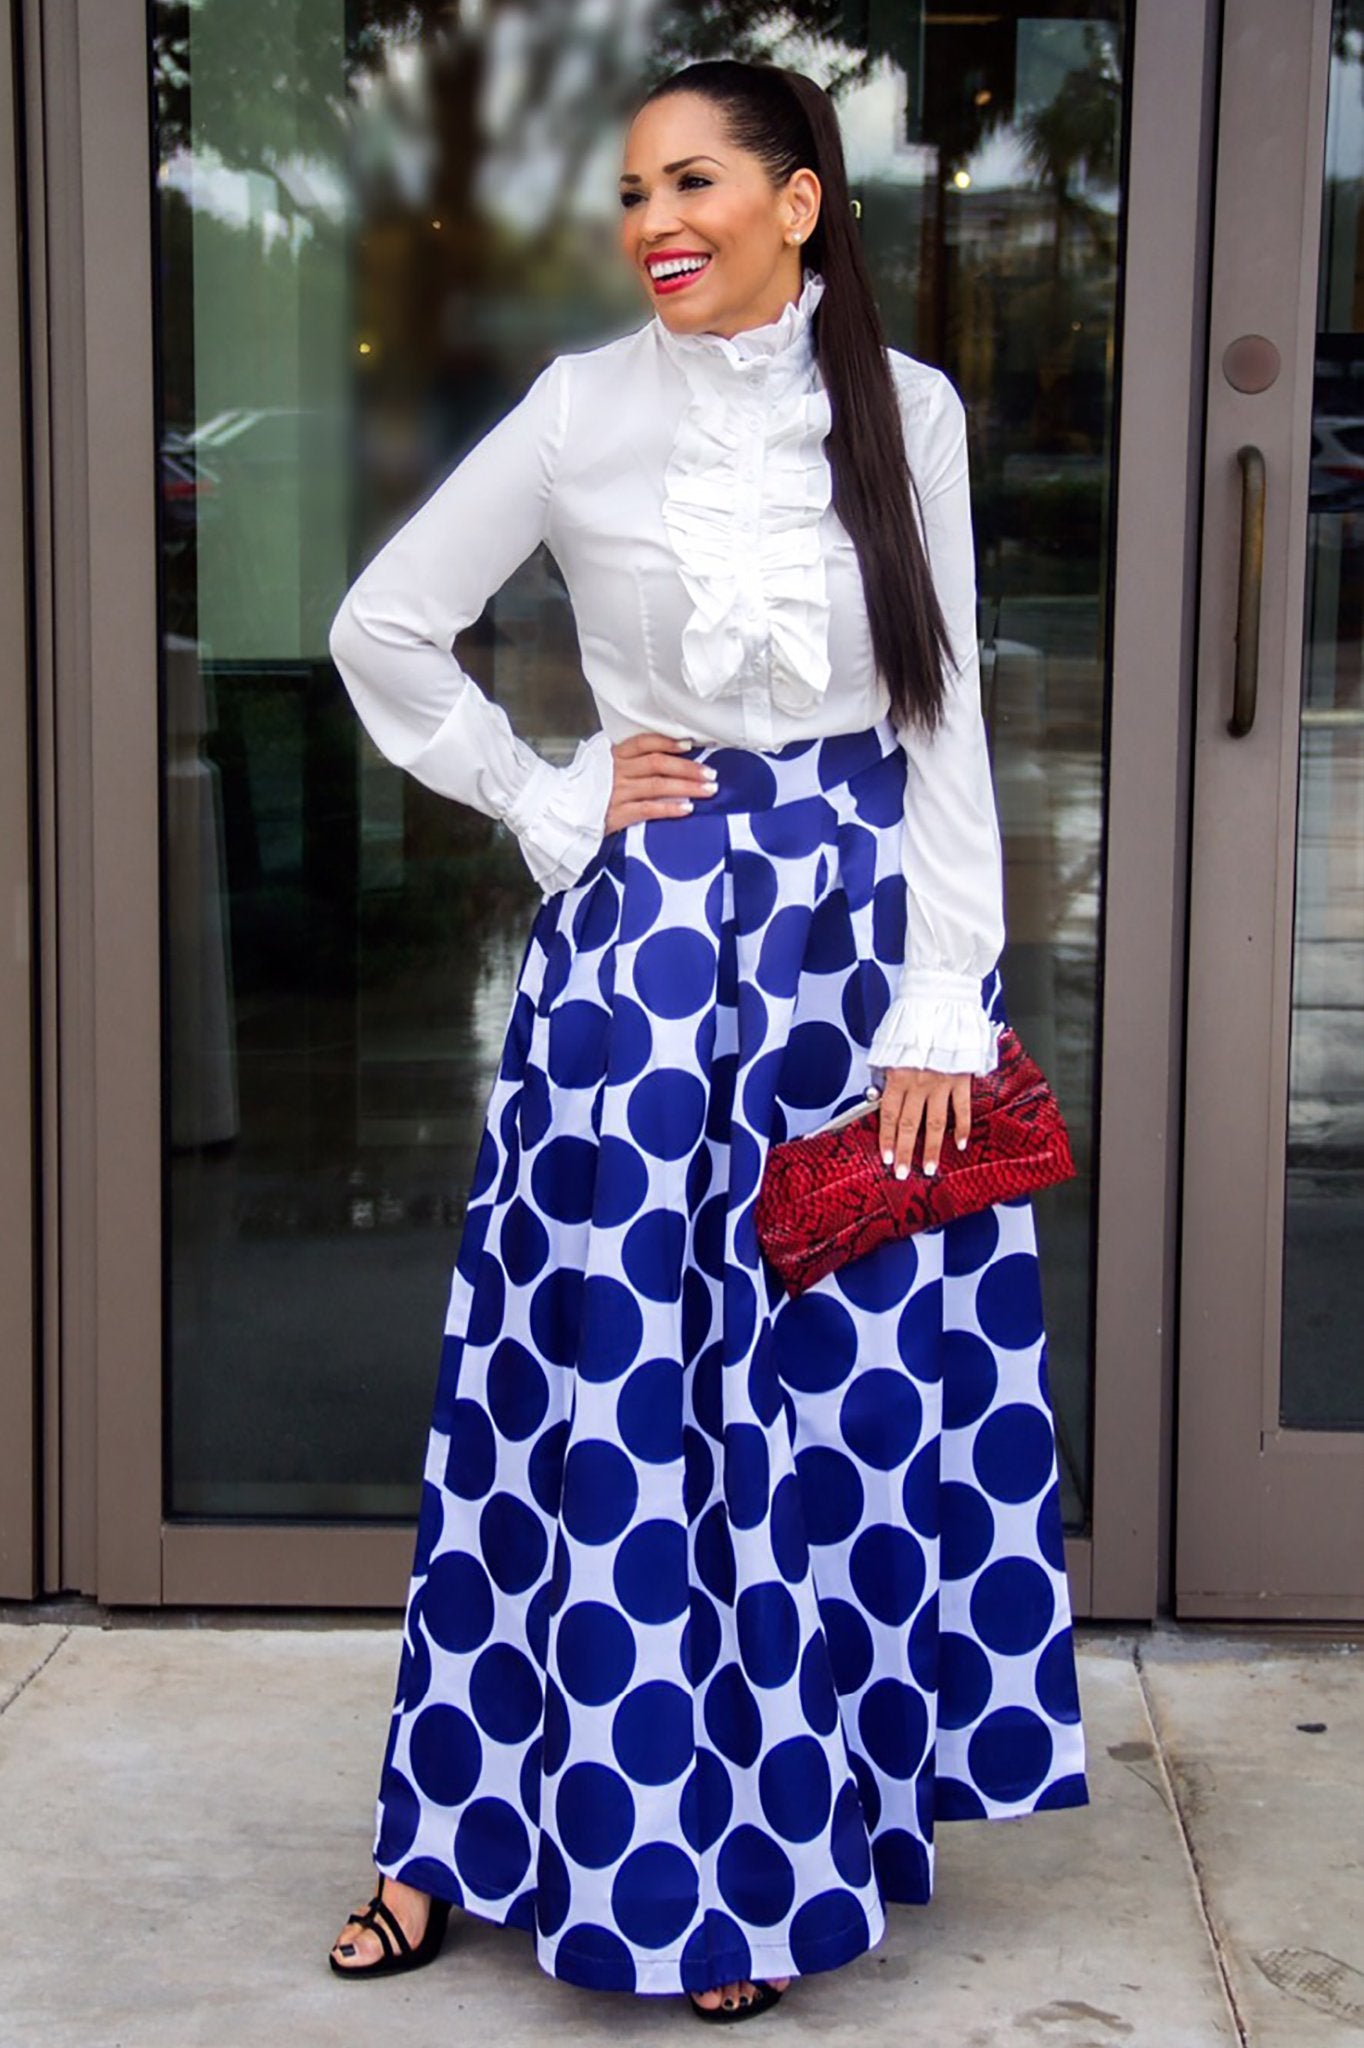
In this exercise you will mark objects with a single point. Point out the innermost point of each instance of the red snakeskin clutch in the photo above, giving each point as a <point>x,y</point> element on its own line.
<point>826,1197</point>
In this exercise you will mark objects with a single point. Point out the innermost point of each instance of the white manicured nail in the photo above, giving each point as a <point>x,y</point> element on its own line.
<point>887,1158</point>
<point>902,1173</point>
<point>930,1169</point>
<point>684,803</point>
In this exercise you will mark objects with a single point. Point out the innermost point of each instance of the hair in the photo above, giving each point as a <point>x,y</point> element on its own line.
<point>788,122</point>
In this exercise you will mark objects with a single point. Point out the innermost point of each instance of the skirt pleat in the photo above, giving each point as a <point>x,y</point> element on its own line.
<point>720,1599</point>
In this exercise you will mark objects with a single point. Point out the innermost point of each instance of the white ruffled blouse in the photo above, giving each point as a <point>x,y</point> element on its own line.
<point>682,486</point>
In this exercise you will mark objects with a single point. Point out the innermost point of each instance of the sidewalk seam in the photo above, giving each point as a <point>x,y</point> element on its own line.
<point>27,1680</point>
<point>1190,1852</point>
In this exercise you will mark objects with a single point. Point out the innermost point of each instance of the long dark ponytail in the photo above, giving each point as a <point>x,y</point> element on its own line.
<point>789,124</point>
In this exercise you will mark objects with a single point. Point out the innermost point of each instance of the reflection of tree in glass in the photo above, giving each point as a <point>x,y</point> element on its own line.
<point>1075,138</point>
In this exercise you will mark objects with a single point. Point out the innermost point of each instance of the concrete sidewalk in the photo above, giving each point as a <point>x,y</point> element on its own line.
<point>185,1813</point>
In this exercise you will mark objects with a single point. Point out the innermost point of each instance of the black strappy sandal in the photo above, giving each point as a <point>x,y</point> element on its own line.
<point>399,1954</point>
<point>725,2016</point>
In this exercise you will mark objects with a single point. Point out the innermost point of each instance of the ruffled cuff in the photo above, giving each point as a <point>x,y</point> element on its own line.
<point>559,814</point>
<point>937,1021</point>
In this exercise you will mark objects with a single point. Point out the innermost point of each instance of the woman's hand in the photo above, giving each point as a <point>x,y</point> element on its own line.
<point>654,779</point>
<point>918,1095</point>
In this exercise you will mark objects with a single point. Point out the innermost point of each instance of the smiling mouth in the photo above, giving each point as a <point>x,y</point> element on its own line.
<point>669,273</point>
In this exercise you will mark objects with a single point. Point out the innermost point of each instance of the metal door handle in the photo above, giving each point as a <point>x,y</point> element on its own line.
<point>1249,584</point>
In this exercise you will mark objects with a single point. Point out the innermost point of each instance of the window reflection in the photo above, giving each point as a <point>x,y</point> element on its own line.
<point>1323,1306</point>
<point>373,232</point>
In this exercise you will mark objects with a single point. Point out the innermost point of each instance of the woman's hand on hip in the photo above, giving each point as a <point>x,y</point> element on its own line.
<point>654,778</point>
<point>914,1096</point>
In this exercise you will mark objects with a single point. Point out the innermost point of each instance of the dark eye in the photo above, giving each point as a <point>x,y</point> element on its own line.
<point>692,178</point>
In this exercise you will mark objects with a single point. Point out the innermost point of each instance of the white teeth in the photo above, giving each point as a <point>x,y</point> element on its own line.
<point>677,266</point>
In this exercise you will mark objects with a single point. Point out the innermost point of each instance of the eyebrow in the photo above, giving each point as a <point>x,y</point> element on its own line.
<point>630,178</point>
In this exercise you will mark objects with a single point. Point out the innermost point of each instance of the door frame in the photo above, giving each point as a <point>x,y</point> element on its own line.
<point>102,796</point>
<point>1290,1502</point>
<point>18,1249</point>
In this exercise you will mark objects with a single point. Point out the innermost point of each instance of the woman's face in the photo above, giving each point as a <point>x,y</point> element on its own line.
<point>715,243</point>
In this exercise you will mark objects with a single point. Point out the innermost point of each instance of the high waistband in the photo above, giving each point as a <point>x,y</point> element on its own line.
<point>754,781</point>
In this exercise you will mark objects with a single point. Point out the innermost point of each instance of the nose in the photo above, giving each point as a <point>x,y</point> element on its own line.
<point>657,218</point>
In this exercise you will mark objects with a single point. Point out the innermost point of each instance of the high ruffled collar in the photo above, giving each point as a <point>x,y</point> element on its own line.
<point>789,336</point>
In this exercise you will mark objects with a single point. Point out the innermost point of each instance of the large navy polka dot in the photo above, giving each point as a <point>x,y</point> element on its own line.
<point>968,1530</point>
<point>892,1721</point>
<point>700,1638</point>
<point>818,1700</point>
<point>970,1242</point>
<point>965,1680</point>
<point>919,1334</point>
<point>881,1416</point>
<point>446,1754</point>
<point>399,1816</point>
<point>889,916</point>
<point>786,1530</point>
<point>747,782</point>
<point>557,1731</point>
<point>492,1847</point>
<point>652,1254</point>
<point>650,1572</point>
<point>1050,1535</point>
<point>707,1802</point>
<point>553,1891</point>
<point>887,1569</point>
<point>622,1182</point>
<point>641,900</point>
<point>473,1451</point>
<point>685,847</point>
<point>524,1243</point>
<point>504,1691</point>
<point>653,1733</point>
<point>518,1392</point>
<point>654,1897</point>
<point>848,1844</point>
<point>555,1310</point>
<point>1009,1302</point>
<point>769,1633</point>
<point>600,1491</point>
<point>631,1041</point>
<point>814,1073</point>
<point>488,1303</point>
<point>920,1494</point>
<point>714,1549</point>
<point>757,1881</point>
<point>783,951</point>
<point>866,998</point>
<point>1057,1691</point>
<point>457,1602</point>
<point>649,1411</point>
<point>732,1719</point>
<point>901,1866</point>
<point>577,1044</point>
<point>745,1474</point>
<point>755,890</point>
<point>1010,1754</point>
<point>795,1788</point>
<point>851,1650</point>
<point>1012,1605</point>
<point>832,1493</point>
<point>674,972</point>
<point>1013,1452</point>
<point>969,1379</point>
<point>594,1957</point>
<point>716,1953</point>
<point>827,1930</point>
<point>545,1470</point>
<point>666,1112</point>
<point>594,1813</point>
<point>831,944</point>
<point>612,1328</point>
<point>815,1342</point>
<point>596,1650</point>
<point>562,1179</point>
<point>512,1539</point>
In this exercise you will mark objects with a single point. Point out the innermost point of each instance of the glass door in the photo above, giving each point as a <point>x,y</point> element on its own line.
<point>370,236</point>
<point>1272,1406</point>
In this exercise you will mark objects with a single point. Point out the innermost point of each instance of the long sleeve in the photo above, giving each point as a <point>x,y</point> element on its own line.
<point>391,640</point>
<point>953,872</point>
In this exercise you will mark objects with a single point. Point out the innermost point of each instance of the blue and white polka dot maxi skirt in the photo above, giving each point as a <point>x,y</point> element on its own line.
<point>721,1600</point>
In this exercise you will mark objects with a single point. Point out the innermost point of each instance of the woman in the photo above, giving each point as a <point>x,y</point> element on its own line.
<point>720,1599</point>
